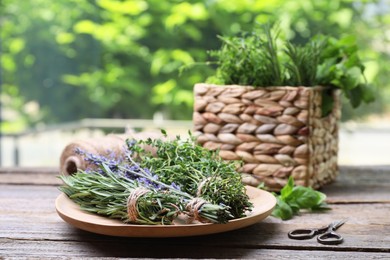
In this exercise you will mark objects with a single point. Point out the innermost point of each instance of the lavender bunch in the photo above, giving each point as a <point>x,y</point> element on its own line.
<point>134,195</point>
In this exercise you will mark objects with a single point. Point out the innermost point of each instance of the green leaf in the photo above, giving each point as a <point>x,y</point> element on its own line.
<point>367,93</point>
<point>352,78</point>
<point>354,95</point>
<point>294,198</point>
<point>287,189</point>
<point>282,210</point>
<point>349,40</point>
<point>327,103</point>
<point>305,198</point>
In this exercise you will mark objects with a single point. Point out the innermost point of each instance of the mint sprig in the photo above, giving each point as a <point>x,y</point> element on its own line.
<point>294,198</point>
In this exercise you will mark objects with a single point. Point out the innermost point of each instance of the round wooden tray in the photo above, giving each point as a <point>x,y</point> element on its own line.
<point>263,203</point>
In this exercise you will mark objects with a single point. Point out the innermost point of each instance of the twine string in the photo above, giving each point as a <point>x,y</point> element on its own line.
<point>132,211</point>
<point>194,206</point>
<point>201,185</point>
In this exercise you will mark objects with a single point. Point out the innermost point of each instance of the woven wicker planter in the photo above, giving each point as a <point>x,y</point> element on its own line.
<point>277,131</point>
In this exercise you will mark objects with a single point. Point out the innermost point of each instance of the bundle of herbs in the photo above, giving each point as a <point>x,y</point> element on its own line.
<point>183,179</point>
<point>197,170</point>
<point>260,59</point>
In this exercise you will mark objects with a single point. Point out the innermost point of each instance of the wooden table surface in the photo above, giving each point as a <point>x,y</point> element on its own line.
<point>31,228</point>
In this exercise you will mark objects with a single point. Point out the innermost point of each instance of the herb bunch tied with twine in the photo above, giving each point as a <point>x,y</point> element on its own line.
<point>198,171</point>
<point>184,179</point>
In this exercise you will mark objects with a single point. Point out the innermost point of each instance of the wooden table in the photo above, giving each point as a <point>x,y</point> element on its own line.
<point>31,228</point>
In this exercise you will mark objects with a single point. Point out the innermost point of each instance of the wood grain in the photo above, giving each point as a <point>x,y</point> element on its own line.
<point>30,227</point>
<point>26,176</point>
<point>113,249</point>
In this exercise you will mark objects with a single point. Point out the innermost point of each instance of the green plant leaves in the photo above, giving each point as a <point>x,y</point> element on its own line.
<point>252,58</point>
<point>282,210</point>
<point>340,67</point>
<point>327,102</point>
<point>303,62</point>
<point>239,62</point>
<point>191,166</point>
<point>294,198</point>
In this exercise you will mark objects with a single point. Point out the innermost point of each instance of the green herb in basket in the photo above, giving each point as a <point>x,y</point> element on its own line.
<point>254,59</point>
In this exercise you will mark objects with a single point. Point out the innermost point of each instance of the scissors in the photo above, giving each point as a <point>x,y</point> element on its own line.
<point>326,234</point>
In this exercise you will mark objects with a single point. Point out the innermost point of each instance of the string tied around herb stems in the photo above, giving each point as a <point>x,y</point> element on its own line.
<point>194,206</point>
<point>199,191</point>
<point>132,200</point>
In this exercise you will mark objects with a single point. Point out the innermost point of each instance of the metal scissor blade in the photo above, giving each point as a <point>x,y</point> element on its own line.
<point>337,224</point>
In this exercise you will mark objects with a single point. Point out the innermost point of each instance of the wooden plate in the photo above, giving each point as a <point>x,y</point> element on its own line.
<point>263,203</point>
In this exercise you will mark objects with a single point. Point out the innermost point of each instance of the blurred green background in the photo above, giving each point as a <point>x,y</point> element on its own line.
<point>66,60</point>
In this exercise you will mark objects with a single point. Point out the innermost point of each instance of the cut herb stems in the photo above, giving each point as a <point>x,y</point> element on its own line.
<point>183,178</point>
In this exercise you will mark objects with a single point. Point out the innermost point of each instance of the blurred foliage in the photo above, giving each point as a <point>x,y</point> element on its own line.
<point>73,59</point>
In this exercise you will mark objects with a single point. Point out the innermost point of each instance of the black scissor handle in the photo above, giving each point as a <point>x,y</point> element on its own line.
<point>302,233</point>
<point>330,238</point>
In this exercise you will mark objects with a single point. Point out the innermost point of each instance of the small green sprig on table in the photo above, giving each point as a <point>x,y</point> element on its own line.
<point>294,198</point>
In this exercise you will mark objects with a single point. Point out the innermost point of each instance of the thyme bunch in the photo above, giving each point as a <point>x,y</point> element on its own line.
<point>198,171</point>
<point>241,59</point>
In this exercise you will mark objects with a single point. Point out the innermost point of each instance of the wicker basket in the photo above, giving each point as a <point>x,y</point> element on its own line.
<point>277,131</point>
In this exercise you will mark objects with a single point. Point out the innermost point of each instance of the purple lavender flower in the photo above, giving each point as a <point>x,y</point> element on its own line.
<point>134,171</point>
<point>130,170</point>
<point>112,160</point>
<point>175,186</point>
<point>148,183</point>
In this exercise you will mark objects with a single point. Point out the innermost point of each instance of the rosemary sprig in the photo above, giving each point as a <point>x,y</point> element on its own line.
<point>304,60</point>
<point>271,55</point>
<point>107,194</point>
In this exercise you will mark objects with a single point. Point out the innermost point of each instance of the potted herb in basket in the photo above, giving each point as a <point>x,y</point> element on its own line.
<point>277,106</point>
